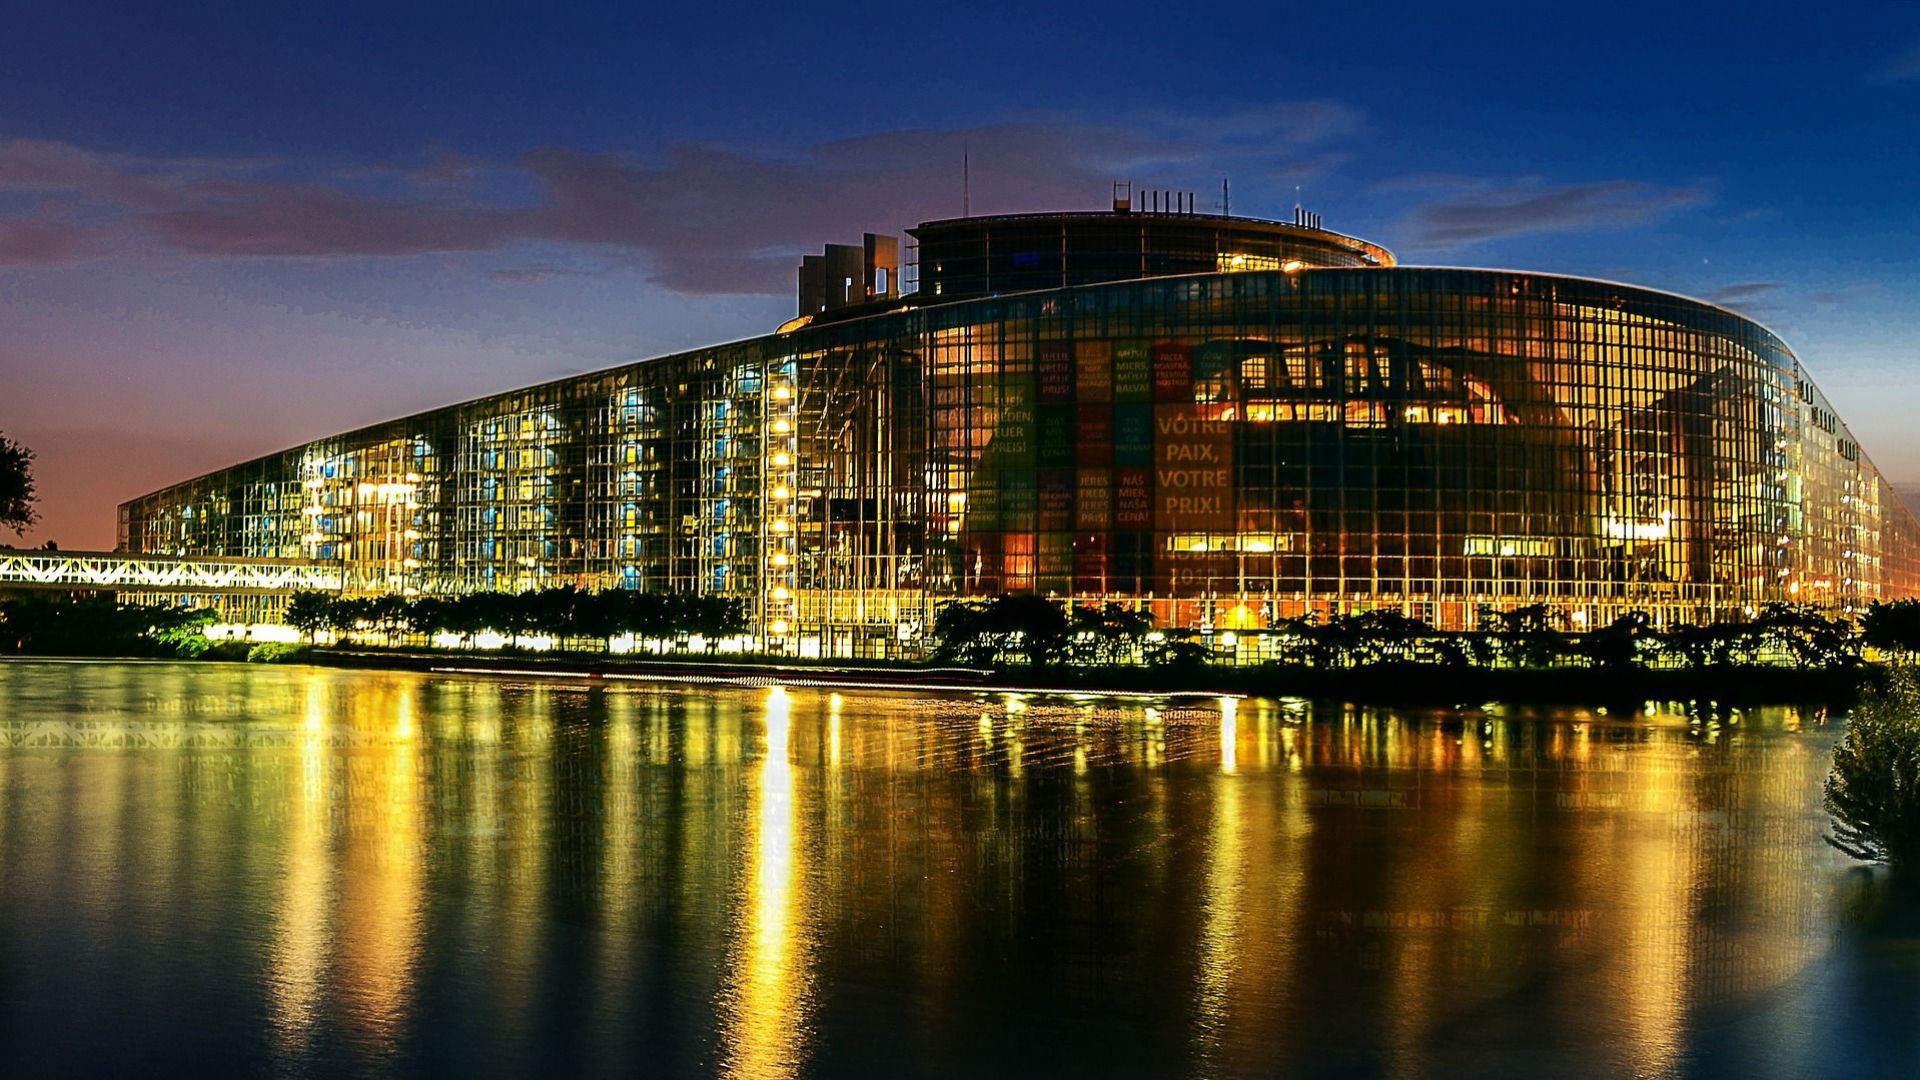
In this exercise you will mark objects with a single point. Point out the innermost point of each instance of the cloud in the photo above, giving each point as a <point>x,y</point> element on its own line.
<point>1429,183</point>
<point>265,218</point>
<point>1474,214</point>
<point>536,272</point>
<point>28,242</point>
<point>1844,295</point>
<point>1742,293</point>
<point>701,218</point>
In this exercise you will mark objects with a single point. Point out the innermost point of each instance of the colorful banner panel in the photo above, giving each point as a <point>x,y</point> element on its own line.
<point>1132,372</point>
<point>1054,368</point>
<point>1093,367</point>
<point>1192,471</point>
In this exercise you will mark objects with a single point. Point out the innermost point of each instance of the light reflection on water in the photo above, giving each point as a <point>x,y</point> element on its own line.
<point>764,1006</point>
<point>319,872</point>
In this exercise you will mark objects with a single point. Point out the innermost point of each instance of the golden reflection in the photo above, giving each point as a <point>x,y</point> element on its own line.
<point>1659,877</point>
<point>764,1005</point>
<point>1254,893</point>
<point>621,889</point>
<point>1229,734</point>
<point>520,848</point>
<point>381,889</point>
<point>297,957</point>
<point>834,703</point>
<point>1221,924</point>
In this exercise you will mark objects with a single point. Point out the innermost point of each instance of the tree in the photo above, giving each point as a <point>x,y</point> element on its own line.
<point>719,617</point>
<point>1892,627</point>
<point>1364,638</point>
<point>182,630</point>
<point>309,611</point>
<point>467,614</point>
<point>1873,791</point>
<point>1527,635</point>
<point>1178,650</point>
<point>16,487</point>
<point>600,615</point>
<point>1696,646</point>
<point>1109,634</point>
<point>1812,639</point>
<point>1035,627</point>
<point>551,611</point>
<point>427,615</point>
<point>1304,640</point>
<point>960,634</point>
<point>344,614</point>
<point>388,613</point>
<point>1005,630</point>
<point>1616,646</point>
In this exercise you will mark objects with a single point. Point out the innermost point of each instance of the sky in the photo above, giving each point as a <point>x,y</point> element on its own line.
<point>231,229</point>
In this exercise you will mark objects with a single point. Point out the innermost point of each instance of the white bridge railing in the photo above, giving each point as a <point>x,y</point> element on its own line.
<point>162,573</point>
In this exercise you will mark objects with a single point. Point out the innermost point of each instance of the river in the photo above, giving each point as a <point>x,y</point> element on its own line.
<point>263,870</point>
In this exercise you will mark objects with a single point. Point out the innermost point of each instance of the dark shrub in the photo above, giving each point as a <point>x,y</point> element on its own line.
<point>1873,791</point>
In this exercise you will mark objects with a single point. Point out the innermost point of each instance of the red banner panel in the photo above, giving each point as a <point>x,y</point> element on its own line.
<point>1173,372</point>
<point>1095,430</point>
<point>1133,498</point>
<point>1056,500</point>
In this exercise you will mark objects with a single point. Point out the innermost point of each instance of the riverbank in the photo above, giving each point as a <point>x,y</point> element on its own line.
<point>1384,684</point>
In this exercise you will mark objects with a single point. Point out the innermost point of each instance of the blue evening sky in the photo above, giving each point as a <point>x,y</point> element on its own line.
<point>227,230</point>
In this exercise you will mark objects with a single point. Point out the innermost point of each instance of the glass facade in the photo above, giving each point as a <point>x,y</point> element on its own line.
<point>1228,448</point>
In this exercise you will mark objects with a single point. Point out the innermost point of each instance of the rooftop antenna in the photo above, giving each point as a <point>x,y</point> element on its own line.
<point>966,178</point>
<point>1226,199</point>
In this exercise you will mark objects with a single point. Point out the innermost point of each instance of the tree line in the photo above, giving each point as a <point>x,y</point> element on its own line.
<point>565,613</point>
<point>1030,631</point>
<point>53,624</point>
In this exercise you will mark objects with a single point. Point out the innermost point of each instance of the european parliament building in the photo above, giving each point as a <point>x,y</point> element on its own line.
<point>1228,421</point>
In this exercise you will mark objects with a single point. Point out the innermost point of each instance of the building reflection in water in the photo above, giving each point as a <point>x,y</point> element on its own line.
<point>764,1006</point>
<point>484,876</point>
<point>1225,904</point>
<point>301,942</point>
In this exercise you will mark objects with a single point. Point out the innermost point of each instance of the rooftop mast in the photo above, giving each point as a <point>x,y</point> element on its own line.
<point>966,180</point>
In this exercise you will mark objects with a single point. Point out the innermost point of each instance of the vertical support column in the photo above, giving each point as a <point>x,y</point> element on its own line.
<point>778,443</point>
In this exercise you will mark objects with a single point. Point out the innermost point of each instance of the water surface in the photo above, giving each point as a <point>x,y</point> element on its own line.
<point>312,872</point>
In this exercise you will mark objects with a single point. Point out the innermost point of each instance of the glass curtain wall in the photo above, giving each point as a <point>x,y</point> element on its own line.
<point>1228,449</point>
